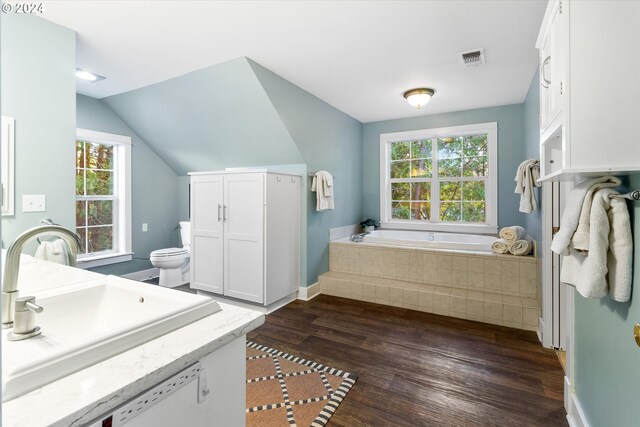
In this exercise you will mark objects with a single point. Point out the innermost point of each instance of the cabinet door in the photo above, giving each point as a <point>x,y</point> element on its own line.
<point>555,64</point>
<point>206,233</point>
<point>551,67</point>
<point>244,236</point>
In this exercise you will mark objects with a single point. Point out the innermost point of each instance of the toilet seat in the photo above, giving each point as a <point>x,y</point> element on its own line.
<point>169,252</point>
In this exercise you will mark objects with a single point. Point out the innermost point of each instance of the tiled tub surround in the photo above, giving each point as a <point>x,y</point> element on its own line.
<point>480,286</point>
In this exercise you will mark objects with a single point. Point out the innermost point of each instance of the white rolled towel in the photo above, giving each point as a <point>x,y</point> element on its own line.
<point>522,247</point>
<point>501,246</point>
<point>513,233</point>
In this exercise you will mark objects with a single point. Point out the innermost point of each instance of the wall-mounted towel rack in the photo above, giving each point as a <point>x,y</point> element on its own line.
<point>314,174</point>
<point>632,195</point>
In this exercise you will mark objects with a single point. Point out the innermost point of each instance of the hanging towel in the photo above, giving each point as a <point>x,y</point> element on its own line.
<point>607,269</point>
<point>55,251</point>
<point>322,184</point>
<point>501,246</point>
<point>522,247</point>
<point>526,179</point>
<point>580,239</point>
<point>571,214</point>
<point>513,233</point>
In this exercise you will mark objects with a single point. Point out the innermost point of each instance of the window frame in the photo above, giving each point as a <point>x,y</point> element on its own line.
<point>122,201</point>
<point>491,188</point>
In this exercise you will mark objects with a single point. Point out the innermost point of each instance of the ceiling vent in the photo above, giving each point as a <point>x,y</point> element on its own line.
<point>472,58</point>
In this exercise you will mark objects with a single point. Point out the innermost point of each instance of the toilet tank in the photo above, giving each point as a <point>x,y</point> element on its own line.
<point>185,233</point>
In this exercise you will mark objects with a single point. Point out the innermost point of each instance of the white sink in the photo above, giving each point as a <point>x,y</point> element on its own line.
<point>89,322</point>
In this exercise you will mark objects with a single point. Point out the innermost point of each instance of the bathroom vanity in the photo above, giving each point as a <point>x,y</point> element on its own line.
<point>194,371</point>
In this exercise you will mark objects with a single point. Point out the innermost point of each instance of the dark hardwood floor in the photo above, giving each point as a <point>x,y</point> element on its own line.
<point>420,369</point>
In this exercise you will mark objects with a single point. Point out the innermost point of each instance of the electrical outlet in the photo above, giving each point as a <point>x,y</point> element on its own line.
<point>145,227</point>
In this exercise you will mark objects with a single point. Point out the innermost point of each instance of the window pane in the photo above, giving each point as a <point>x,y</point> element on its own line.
<point>79,154</point>
<point>400,210</point>
<point>421,191</point>
<point>400,150</point>
<point>473,191</point>
<point>82,233</point>
<point>475,145</point>
<point>80,182</point>
<point>449,148</point>
<point>100,239</point>
<point>99,156</point>
<point>450,211</point>
<point>100,212</point>
<point>421,168</point>
<point>421,149</point>
<point>475,166</point>
<point>450,191</point>
<point>400,169</point>
<point>473,212</point>
<point>99,183</point>
<point>420,210</point>
<point>81,213</point>
<point>450,167</point>
<point>400,191</point>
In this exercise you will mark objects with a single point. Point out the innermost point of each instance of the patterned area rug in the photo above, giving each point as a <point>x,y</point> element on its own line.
<point>285,390</point>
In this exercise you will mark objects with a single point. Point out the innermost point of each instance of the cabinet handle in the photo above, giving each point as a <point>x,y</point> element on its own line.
<point>224,213</point>
<point>543,73</point>
<point>219,207</point>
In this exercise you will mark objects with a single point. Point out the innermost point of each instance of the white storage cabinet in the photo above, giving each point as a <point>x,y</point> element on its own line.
<point>245,234</point>
<point>589,88</point>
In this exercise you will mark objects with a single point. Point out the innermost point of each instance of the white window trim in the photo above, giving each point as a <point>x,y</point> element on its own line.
<point>8,159</point>
<point>123,182</point>
<point>491,196</point>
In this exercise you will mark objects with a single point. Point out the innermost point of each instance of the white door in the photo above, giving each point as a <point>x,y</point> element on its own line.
<point>244,236</point>
<point>554,67</point>
<point>206,233</point>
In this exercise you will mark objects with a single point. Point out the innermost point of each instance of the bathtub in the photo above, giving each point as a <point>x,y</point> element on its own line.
<point>426,239</point>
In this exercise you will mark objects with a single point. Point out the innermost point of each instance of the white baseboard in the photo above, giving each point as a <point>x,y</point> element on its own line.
<point>150,273</point>
<point>310,292</point>
<point>250,305</point>
<point>575,414</point>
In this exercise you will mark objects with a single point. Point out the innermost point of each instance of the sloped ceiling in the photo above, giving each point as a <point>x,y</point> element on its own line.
<point>209,119</point>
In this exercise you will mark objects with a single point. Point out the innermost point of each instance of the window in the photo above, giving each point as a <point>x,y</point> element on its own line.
<point>440,179</point>
<point>103,197</point>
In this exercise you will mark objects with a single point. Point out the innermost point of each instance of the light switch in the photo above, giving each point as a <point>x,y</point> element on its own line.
<point>145,227</point>
<point>34,203</point>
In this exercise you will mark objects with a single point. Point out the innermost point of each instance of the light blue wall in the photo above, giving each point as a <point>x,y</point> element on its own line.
<point>607,359</point>
<point>38,90</point>
<point>533,221</point>
<point>328,139</point>
<point>154,189</point>
<point>209,119</point>
<point>511,152</point>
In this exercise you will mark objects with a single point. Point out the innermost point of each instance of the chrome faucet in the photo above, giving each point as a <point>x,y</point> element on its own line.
<point>12,264</point>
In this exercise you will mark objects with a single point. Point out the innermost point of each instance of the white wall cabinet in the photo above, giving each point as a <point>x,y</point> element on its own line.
<point>245,234</point>
<point>589,88</point>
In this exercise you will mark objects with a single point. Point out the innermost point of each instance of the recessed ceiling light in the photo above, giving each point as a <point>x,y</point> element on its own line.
<point>88,76</point>
<point>419,97</point>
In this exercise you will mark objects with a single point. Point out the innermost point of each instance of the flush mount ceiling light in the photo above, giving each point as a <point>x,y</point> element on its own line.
<point>419,97</point>
<point>88,76</point>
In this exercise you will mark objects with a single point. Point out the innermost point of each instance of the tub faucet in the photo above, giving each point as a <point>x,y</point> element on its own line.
<point>358,237</point>
<point>12,264</point>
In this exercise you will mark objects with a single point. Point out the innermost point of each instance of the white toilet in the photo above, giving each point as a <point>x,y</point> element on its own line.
<point>174,262</point>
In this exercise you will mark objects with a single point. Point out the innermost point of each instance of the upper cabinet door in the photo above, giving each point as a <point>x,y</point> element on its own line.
<point>555,66</point>
<point>244,236</point>
<point>551,67</point>
<point>206,232</point>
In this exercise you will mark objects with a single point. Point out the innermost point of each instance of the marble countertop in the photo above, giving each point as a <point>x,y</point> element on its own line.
<point>84,395</point>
